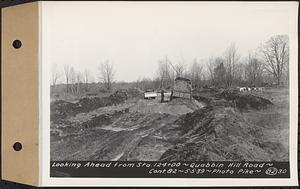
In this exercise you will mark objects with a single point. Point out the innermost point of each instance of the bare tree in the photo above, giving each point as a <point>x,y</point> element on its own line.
<point>210,66</point>
<point>55,75</point>
<point>146,83</point>
<point>253,70</point>
<point>180,68</point>
<point>275,53</point>
<point>107,74</point>
<point>79,79</point>
<point>231,58</point>
<point>195,73</point>
<point>219,72</point>
<point>156,82</point>
<point>72,80</point>
<point>86,79</point>
<point>67,75</point>
<point>164,72</point>
<point>138,81</point>
<point>240,74</point>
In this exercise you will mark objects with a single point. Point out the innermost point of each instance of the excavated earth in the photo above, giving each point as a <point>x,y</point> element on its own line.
<point>211,126</point>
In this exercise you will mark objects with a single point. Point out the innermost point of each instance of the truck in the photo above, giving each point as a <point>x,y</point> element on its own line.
<point>182,88</point>
<point>150,94</point>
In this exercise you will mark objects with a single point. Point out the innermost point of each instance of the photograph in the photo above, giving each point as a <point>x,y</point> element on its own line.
<point>167,81</point>
<point>150,93</point>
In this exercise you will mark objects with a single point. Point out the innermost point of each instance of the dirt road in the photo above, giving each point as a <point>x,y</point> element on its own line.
<point>212,128</point>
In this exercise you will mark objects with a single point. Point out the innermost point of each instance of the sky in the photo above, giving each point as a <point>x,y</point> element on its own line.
<point>135,36</point>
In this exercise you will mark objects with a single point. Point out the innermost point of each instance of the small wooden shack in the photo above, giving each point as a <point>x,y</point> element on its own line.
<point>182,88</point>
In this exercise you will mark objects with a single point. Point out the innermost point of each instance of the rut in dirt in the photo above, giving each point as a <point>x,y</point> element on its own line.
<point>214,132</point>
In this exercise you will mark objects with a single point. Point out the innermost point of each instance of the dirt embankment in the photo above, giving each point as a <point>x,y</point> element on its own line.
<point>148,130</point>
<point>232,98</point>
<point>216,134</point>
<point>61,110</point>
<point>175,107</point>
<point>244,101</point>
<point>220,131</point>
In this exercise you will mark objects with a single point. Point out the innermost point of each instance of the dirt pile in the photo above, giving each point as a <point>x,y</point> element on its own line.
<point>206,91</point>
<point>231,98</point>
<point>61,109</point>
<point>216,134</point>
<point>203,99</point>
<point>188,121</point>
<point>175,107</point>
<point>109,137</point>
<point>244,101</point>
<point>180,130</point>
<point>116,98</point>
<point>86,104</point>
<point>103,119</point>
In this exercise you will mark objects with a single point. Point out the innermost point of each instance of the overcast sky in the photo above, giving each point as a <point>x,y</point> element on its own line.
<point>134,36</point>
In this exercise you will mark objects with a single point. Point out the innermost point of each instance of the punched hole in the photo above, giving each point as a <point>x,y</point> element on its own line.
<point>17,44</point>
<point>17,146</point>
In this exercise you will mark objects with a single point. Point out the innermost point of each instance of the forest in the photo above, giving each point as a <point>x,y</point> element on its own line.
<point>266,66</point>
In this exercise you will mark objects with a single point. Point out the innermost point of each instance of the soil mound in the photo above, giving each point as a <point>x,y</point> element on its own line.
<point>174,107</point>
<point>190,120</point>
<point>117,97</point>
<point>201,98</point>
<point>102,119</point>
<point>135,92</point>
<point>61,109</point>
<point>244,101</point>
<point>180,130</point>
<point>216,134</point>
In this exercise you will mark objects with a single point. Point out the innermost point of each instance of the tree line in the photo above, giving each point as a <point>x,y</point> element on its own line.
<point>268,64</point>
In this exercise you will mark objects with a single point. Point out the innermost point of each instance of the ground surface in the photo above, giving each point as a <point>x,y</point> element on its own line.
<point>214,125</point>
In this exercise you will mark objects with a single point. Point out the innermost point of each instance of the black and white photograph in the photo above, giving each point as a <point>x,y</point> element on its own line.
<point>149,94</point>
<point>168,81</point>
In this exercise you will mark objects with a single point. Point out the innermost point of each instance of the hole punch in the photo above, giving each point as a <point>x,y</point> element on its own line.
<point>17,44</point>
<point>17,146</point>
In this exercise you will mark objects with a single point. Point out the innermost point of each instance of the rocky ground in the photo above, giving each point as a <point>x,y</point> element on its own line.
<point>214,125</point>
